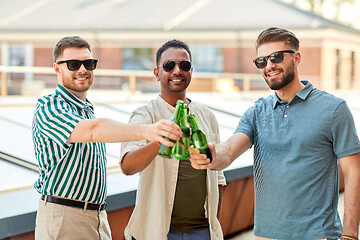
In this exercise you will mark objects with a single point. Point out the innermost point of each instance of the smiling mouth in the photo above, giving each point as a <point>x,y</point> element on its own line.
<point>81,79</point>
<point>177,80</point>
<point>272,74</point>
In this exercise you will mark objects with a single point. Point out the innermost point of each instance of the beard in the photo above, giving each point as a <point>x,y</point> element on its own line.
<point>75,86</point>
<point>288,77</point>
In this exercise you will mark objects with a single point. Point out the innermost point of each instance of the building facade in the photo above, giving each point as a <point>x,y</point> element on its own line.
<point>126,34</point>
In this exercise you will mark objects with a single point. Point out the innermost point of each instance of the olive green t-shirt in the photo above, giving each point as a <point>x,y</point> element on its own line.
<point>189,211</point>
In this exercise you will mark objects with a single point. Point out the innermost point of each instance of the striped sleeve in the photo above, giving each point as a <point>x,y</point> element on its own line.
<point>56,120</point>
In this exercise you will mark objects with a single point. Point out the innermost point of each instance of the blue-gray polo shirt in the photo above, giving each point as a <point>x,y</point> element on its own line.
<point>296,150</point>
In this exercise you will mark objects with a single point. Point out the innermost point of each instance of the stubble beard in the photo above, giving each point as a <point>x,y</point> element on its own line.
<point>78,87</point>
<point>286,80</point>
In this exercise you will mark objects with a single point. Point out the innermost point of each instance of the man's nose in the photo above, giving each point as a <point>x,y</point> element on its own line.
<point>82,69</point>
<point>176,68</point>
<point>270,64</point>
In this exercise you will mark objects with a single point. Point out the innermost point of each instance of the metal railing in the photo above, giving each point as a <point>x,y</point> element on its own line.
<point>130,75</point>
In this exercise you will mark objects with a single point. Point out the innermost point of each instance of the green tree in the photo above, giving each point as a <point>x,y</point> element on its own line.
<point>317,6</point>
<point>314,6</point>
<point>339,4</point>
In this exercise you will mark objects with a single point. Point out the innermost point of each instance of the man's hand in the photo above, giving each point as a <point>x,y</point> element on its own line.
<point>161,129</point>
<point>200,161</point>
<point>223,154</point>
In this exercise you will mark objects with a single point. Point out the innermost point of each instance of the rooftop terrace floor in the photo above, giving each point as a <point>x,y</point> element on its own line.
<point>15,137</point>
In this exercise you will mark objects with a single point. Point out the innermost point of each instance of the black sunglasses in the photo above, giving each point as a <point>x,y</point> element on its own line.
<point>74,65</point>
<point>275,57</point>
<point>184,65</point>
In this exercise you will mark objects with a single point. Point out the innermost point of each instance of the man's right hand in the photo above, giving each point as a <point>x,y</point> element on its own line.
<point>200,161</point>
<point>223,154</point>
<point>161,129</point>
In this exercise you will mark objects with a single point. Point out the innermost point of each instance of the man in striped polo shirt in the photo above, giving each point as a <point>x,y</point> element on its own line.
<point>69,146</point>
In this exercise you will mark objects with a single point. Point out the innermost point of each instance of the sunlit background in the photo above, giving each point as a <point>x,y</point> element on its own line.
<point>125,35</point>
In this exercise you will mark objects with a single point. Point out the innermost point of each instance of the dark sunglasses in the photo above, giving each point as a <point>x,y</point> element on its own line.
<point>184,65</point>
<point>74,65</point>
<point>275,57</point>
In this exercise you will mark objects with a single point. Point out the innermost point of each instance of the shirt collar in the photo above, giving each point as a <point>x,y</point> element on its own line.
<point>70,98</point>
<point>170,107</point>
<point>302,94</point>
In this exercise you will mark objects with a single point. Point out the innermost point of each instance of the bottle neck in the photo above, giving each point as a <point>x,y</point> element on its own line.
<point>194,124</point>
<point>177,111</point>
<point>183,119</point>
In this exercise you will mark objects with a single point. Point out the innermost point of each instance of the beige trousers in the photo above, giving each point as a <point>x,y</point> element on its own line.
<point>261,238</point>
<point>54,221</point>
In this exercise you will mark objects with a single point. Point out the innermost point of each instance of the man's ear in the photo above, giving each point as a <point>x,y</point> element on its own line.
<point>156,73</point>
<point>56,68</point>
<point>297,58</point>
<point>58,72</point>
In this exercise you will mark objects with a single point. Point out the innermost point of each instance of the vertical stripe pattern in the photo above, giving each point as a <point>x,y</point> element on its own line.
<point>71,170</point>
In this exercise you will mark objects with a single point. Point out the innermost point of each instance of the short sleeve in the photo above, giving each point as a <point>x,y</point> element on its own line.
<point>56,120</point>
<point>138,116</point>
<point>246,124</point>
<point>344,134</point>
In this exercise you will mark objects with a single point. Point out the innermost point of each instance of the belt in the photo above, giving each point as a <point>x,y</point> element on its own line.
<point>73,203</point>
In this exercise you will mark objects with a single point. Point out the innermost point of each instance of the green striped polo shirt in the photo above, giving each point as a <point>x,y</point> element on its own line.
<point>70,170</point>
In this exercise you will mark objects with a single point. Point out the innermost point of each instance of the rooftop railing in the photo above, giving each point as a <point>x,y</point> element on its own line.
<point>132,76</point>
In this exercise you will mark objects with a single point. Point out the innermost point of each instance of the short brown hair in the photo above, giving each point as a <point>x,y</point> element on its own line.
<point>274,34</point>
<point>66,42</point>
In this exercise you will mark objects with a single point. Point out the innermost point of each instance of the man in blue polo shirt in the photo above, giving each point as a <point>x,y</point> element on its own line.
<point>300,134</point>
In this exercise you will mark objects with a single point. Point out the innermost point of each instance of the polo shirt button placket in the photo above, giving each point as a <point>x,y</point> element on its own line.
<point>86,111</point>
<point>285,113</point>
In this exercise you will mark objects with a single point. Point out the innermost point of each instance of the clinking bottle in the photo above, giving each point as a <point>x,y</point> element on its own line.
<point>183,152</point>
<point>166,151</point>
<point>198,138</point>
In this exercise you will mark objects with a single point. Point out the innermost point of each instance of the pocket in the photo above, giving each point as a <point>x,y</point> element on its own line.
<point>48,220</point>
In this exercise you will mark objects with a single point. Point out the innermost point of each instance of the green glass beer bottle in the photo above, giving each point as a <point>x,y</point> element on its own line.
<point>165,151</point>
<point>198,138</point>
<point>183,152</point>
